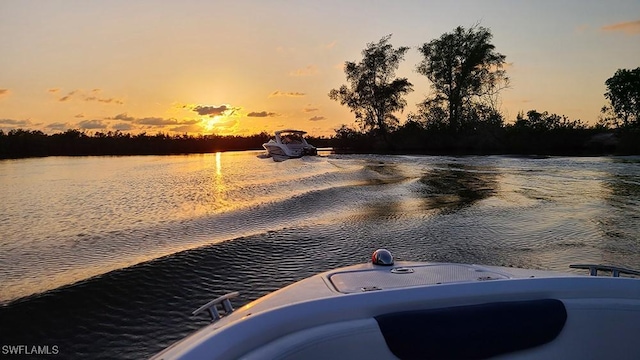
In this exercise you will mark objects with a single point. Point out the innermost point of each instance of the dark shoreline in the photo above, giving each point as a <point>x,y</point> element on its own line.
<point>579,142</point>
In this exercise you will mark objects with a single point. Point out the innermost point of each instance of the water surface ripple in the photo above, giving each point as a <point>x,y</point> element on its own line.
<point>106,257</point>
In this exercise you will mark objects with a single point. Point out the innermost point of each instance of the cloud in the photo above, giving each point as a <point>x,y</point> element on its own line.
<point>261,114</point>
<point>156,121</point>
<point>11,122</point>
<point>330,45</point>
<point>306,71</point>
<point>79,116</point>
<point>150,121</point>
<point>4,92</point>
<point>228,123</point>
<point>57,126</point>
<point>68,96</point>
<point>278,93</point>
<point>186,129</point>
<point>104,100</point>
<point>317,118</point>
<point>92,124</point>
<point>197,125</point>
<point>53,90</point>
<point>123,127</point>
<point>310,109</point>
<point>83,96</point>
<point>123,117</point>
<point>210,110</point>
<point>627,27</point>
<point>226,126</point>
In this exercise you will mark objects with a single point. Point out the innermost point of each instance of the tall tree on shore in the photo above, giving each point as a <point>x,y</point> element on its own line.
<point>374,94</point>
<point>465,71</point>
<point>623,93</point>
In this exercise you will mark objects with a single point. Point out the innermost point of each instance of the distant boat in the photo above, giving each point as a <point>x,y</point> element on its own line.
<point>289,144</point>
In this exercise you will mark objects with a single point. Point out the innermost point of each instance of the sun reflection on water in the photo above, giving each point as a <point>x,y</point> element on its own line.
<point>218,165</point>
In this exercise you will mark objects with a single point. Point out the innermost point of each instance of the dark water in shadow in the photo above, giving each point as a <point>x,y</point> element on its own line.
<point>535,213</point>
<point>135,312</point>
<point>452,187</point>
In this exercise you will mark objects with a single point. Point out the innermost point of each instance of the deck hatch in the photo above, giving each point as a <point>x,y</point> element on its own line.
<point>392,278</point>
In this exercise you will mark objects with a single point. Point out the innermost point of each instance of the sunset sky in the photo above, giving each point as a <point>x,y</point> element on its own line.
<point>246,66</point>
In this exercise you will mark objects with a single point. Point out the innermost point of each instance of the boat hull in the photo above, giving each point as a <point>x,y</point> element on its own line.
<point>283,152</point>
<point>289,144</point>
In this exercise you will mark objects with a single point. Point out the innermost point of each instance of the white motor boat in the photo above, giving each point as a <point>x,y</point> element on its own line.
<point>414,310</point>
<point>289,144</point>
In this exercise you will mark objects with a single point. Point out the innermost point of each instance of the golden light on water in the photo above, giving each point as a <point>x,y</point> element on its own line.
<point>218,165</point>
<point>220,188</point>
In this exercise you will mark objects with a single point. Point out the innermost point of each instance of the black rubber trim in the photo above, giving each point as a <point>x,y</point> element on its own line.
<point>472,332</point>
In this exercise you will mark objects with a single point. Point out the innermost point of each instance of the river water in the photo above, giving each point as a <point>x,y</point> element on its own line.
<point>106,257</point>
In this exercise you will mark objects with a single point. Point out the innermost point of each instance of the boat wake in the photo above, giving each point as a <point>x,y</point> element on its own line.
<point>306,191</point>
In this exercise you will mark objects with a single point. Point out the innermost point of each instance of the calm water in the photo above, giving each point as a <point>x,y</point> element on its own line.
<point>106,257</point>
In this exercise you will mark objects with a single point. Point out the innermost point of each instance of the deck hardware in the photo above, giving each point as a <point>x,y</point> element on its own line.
<point>402,270</point>
<point>370,288</point>
<point>382,257</point>
<point>486,278</point>
<point>615,270</point>
<point>212,306</point>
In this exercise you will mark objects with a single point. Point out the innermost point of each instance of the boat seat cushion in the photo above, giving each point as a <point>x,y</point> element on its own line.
<point>472,332</point>
<point>355,339</point>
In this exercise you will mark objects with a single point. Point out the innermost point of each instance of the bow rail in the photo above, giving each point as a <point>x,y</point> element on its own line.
<point>615,270</point>
<point>212,306</point>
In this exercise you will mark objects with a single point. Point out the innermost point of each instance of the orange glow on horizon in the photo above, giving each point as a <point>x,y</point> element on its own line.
<point>251,80</point>
<point>209,124</point>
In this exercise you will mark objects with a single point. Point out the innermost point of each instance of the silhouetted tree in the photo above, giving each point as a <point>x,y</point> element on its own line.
<point>623,93</point>
<point>347,138</point>
<point>373,93</point>
<point>544,121</point>
<point>464,70</point>
<point>544,133</point>
<point>431,115</point>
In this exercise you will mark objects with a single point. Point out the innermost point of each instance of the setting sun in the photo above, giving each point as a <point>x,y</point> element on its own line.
<point>209,124</point>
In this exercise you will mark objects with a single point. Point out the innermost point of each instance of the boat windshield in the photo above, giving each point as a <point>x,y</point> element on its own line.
<point>292,138</point>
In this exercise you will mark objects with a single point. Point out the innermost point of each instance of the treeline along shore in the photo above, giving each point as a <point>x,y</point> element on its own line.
<point>535,134</point>
<point>549,136</point>
<point>33,143</point>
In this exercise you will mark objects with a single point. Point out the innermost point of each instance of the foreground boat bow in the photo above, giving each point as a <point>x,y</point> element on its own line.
<point>412,310</point>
